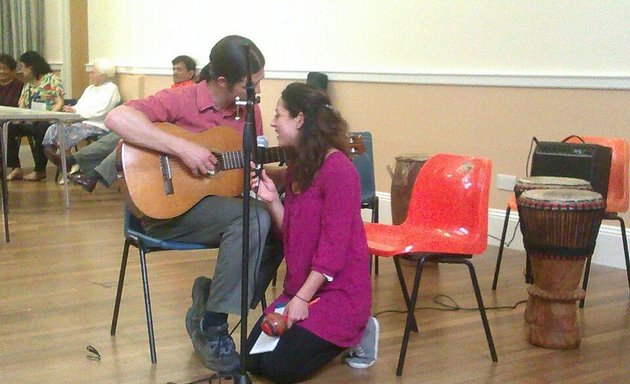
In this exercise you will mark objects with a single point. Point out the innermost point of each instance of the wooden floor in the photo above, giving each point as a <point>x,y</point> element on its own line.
<point>57,287</point>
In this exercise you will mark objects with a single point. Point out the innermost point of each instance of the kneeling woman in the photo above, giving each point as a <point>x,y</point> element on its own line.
<point>325,247</point>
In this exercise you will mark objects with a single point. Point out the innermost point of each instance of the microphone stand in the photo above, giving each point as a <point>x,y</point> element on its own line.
<point>249,140</point>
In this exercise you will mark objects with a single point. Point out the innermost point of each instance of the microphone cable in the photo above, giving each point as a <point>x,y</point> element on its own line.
<point>447,303</point>
<point>529,155</point>
<point>507,243</point>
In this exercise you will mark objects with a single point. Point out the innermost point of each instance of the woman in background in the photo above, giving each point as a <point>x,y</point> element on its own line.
<point>43,90</point>
<point>100,97</point>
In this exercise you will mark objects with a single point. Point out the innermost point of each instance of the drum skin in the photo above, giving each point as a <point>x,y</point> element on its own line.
<point>549,182</point>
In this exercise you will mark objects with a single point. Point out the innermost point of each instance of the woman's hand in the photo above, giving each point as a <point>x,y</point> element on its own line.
<point>267,190</point>
<point>296,310</point>
<point>197,158</point>
<point>58,106</point>
<point>67,108</point>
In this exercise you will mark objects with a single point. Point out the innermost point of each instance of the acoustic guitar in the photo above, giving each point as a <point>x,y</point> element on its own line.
<point>163,187</point>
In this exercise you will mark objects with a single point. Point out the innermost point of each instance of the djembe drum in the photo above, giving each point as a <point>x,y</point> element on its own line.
<point>559,227</point>
<point>403,178</point>
<point>544,182</point>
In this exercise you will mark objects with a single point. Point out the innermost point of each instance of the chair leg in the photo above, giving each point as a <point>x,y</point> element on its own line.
<point>411,319</point>
<point>3,182</point>
<point>121,281</point>
<point>497,268</point>
<point>375,220</point>
<point>147,303</point>
<point>482,309</point>
<point>587,271</point>
<point>403,287</point>
<point>624,239</point>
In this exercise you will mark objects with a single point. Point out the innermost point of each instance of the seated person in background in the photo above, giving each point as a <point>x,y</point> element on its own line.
<point>97,161</point>
<point>100,97</point>
<point>327,288</point>
<point>10,86</point>
<point>215,220</point>
<point>184,69</point>
<point>43,90</point>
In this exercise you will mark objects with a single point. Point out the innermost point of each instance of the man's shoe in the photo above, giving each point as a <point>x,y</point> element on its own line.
<point>364,355</point>
<point>200,292</point>
<point>85,182</point>
<point>217,349</point>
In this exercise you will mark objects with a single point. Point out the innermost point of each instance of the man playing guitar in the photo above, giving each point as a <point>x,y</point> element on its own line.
<point>215,220</point>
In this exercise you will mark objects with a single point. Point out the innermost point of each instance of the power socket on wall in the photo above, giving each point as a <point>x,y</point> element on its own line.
<point>506,182</point>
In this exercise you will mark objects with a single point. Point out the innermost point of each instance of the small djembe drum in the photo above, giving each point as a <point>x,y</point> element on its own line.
<point>559,227</point>
<point>544,182</point>
<point>549,182</point>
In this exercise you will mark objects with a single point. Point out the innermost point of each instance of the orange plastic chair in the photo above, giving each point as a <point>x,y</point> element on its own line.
<point>617,199</point>
<point>447,222</point>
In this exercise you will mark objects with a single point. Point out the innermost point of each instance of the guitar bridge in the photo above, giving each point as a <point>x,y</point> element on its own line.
<point>167,175</point>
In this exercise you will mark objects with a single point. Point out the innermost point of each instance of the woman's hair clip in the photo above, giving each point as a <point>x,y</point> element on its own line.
<point>329,106</point>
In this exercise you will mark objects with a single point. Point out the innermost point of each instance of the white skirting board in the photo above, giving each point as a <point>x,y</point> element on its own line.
<point>608,251</point>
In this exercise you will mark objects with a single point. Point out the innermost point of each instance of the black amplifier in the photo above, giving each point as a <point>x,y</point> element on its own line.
<point>590,162</point>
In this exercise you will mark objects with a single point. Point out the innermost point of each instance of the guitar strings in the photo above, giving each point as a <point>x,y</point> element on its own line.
<point>232,160</point>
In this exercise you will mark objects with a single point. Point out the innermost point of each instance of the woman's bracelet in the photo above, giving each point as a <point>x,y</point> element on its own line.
<point>306,301</point>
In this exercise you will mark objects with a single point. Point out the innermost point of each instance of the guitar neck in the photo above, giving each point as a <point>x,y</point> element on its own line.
<point>236,159</point>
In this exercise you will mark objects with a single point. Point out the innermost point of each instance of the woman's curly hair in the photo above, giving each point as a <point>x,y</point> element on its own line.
<point>322,130</point>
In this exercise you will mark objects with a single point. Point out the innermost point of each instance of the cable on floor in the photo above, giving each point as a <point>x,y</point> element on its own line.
<point>447,303</point>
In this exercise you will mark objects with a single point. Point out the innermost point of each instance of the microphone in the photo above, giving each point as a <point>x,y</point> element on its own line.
<point>259,156</point>
<point>261,146</point>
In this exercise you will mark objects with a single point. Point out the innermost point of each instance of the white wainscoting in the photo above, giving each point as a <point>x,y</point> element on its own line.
<point>608,251</point>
